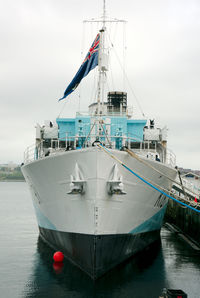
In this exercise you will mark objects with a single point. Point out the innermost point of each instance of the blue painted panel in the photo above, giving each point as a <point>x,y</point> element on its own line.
<point>120,126</point>
<point>66,125</point>
<point>82,125</point>
<point>135,129</point>
<point>82,128</point>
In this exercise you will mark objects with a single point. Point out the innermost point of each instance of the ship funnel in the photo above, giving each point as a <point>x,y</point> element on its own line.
<point>117,102</point>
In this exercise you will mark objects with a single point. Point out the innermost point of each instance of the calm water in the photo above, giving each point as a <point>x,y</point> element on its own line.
<point>26,266</point>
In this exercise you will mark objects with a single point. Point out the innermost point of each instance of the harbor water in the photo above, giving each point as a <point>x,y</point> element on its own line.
<point>27,268</point>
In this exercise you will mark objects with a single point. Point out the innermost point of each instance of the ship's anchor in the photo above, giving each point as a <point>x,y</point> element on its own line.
<point>77,184</point>
<point>115,184</point>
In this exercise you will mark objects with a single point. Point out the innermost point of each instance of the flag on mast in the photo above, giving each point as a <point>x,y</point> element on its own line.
<point>90,62</point>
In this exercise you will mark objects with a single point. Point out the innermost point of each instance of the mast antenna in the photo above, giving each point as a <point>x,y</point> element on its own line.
<point>104,13</point>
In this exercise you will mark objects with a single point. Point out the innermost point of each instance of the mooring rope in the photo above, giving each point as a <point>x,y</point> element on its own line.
<point>144,180</point>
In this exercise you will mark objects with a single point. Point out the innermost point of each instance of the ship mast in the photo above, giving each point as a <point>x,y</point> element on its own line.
<point>102,62</point>
<point>103,57</point>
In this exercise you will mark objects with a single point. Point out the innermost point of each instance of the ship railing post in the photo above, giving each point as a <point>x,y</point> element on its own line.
<point>66,141</point>
<point>129,143</point>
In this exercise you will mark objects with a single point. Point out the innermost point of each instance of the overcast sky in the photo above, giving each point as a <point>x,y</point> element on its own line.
<point>41,45</point>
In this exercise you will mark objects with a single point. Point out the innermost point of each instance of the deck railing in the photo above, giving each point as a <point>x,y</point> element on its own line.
<point>45,148</point>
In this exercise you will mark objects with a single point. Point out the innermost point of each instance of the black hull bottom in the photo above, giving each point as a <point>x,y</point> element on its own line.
<point>97,254</point>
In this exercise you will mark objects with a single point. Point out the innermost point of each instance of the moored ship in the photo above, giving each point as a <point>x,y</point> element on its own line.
<point>86,203</point>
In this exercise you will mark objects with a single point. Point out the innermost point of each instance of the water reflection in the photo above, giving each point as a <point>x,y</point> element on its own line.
<point>142,276</point>
<point>182,263</point>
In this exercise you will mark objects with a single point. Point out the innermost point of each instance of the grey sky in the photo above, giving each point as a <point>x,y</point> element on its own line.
<point>41,43</point>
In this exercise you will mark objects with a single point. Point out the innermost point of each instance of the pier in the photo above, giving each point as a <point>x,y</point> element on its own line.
<point>184,219</point>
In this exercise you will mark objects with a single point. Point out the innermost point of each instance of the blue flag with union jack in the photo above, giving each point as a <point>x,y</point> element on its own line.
<point>90,62</point>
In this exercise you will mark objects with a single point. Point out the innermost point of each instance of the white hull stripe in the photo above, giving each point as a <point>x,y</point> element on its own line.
<point>152,224</point>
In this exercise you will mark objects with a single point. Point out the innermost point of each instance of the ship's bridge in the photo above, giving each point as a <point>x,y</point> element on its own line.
<point>109,123</point>
<point>112,130</point>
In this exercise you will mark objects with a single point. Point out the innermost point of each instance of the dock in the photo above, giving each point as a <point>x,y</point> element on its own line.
<point>185,221</point>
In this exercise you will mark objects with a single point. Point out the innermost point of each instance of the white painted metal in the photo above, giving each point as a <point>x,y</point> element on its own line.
<point>94,211</point>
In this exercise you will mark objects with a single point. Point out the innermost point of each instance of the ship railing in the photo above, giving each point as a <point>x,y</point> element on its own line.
<point>170,158</point>
<point>29,154</point>
<point>127,113</point>
<point>40,149</point>
<point>154,152</point>
<point>43,148</point>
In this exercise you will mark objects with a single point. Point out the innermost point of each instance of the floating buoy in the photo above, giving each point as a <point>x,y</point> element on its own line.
<point>58,256</point>
<point>195,199</point>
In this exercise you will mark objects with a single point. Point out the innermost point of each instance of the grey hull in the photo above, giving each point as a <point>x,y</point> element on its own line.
<point>97,254</point>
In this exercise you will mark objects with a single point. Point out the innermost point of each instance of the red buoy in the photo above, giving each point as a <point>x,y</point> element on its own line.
<point>58,267</point>
<point>58,256</point>
<point>195,200</point>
